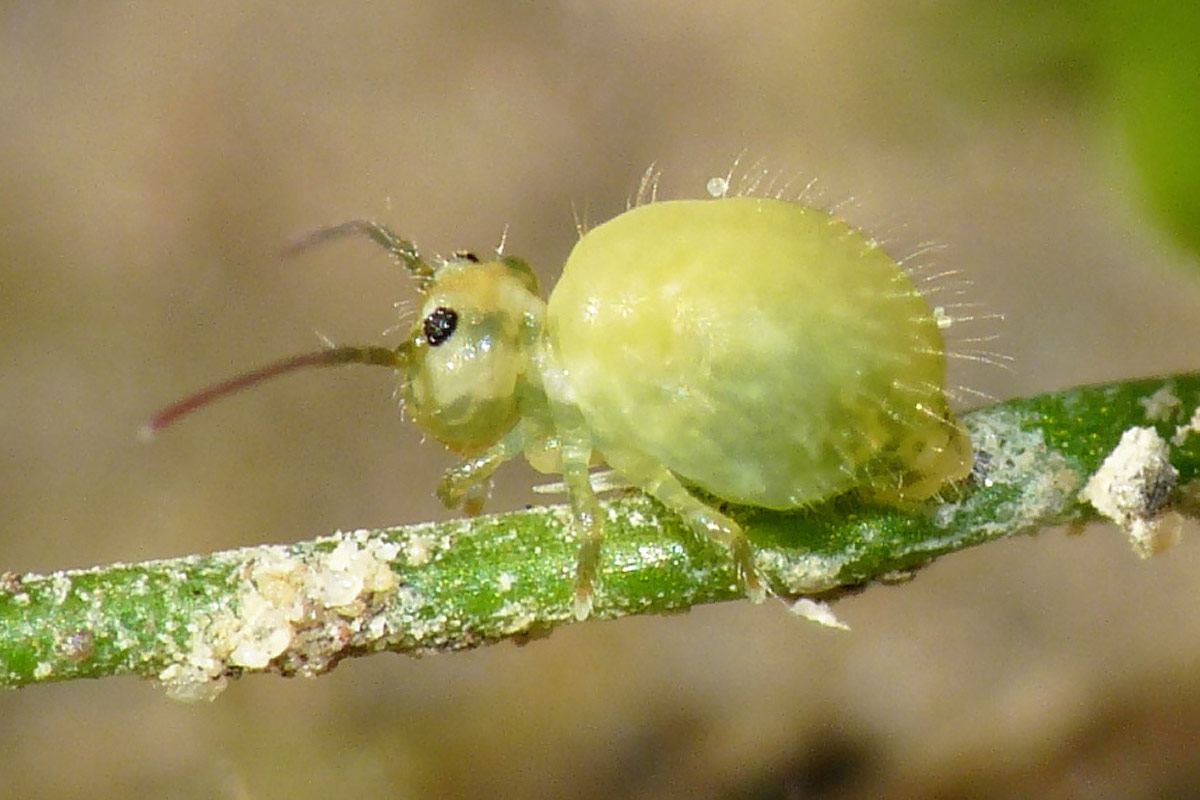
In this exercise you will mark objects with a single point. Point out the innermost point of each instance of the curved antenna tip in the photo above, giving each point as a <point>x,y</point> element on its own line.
<point>374,355</point>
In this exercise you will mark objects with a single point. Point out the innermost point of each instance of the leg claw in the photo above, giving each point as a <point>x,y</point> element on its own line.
<point>583,603</point>
<point>747,571</point>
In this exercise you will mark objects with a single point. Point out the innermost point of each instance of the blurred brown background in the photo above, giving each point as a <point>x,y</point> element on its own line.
<point>153,158</point>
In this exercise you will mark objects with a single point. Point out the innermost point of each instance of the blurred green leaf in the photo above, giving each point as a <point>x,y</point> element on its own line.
<point>1132,66</point>
<point>1155,91</point>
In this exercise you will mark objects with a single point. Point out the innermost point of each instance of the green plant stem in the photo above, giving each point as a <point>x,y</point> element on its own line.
<point>299,609</point>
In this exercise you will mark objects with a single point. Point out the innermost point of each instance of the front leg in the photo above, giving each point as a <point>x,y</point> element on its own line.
<point>469,482</point>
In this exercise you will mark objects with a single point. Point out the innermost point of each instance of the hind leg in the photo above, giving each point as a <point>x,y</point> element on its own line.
<point>661,484</point>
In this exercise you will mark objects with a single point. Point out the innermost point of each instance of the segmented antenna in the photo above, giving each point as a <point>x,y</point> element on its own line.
<point>374,355</point>
<point>402,251</point>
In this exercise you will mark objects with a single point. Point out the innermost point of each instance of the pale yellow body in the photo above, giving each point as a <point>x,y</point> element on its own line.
<point>761,350</point>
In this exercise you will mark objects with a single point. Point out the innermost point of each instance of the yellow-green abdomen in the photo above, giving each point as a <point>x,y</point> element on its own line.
<point>762,350</point>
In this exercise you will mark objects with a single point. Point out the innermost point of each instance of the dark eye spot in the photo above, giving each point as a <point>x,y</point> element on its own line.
<point>438,326</point>
<point>466,255</point>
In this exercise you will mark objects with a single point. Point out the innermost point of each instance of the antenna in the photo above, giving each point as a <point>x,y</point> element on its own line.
<point>374,355</point>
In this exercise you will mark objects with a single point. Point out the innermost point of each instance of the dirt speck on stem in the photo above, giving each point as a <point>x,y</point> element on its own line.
<point>295,614</point>
<point>1133,487</point>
